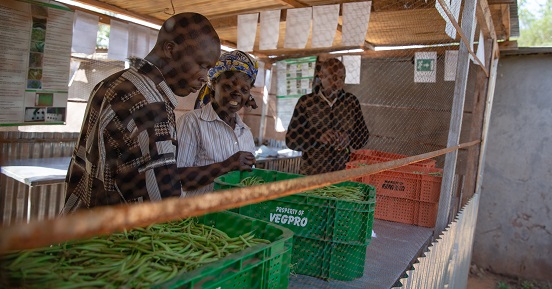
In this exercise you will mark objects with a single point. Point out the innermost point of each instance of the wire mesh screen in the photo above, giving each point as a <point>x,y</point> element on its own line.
<point>338,112</point>
<point>359,110</point>
<point>88,72</point>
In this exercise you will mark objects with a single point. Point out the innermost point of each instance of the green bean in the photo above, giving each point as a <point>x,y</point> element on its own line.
<point>136,258</point>
<point>250,181</point>
<point>245,241</point>
<point>20,258</point>
<point>161,267</point>
<point>348,193</point>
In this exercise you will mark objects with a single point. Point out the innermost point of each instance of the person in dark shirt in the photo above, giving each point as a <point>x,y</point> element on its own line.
<point>126,151</point>
<point>327,123</point>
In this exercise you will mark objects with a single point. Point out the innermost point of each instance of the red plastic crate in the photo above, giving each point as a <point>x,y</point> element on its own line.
<point>406,211</point>
<point>379,156</point>
<point>409,182</point>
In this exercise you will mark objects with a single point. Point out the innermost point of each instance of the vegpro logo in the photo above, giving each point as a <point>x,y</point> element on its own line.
<point>288,220</point>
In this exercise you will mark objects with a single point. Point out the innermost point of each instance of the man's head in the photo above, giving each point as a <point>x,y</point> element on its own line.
<point>187,46</point>
<point>332,76</point>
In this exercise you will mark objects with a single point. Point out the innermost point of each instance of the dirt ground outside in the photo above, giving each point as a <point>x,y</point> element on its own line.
<point>483,279</point>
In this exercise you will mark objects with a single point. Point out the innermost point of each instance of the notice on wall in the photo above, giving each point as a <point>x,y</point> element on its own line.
<point>425,67</point>
<point>34,64</point>
<point>451,60</point>
<point>294,79</point>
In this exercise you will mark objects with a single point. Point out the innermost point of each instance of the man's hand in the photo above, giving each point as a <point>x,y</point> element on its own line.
<point>337,139</point>
<point>241,161</point>
<point>342,140</point>
<point>328,137</point>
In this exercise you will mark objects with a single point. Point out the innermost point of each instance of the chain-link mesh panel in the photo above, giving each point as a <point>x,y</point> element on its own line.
<point>87,73</point>
<point>360,110</point>
<point>346,112</point>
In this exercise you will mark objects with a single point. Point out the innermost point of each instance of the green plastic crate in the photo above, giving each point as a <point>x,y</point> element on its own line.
<point>263,266</point>
<point>327,260</point>
<point>232,179</point>
<point>321,218</point>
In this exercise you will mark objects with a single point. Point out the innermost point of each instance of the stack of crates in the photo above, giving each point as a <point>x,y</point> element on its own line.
<point>261,266</point>
<point>408,194</point>
<point>330,235</point>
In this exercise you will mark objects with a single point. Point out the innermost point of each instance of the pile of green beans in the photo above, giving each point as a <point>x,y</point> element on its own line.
<point>138,258</point>
<point>347,193</point>
<point>249,181</point>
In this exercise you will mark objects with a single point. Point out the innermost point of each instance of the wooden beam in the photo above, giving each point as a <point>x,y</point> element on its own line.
<point>394,5</point>
<point>405,54</point>
<point>110,219</point>
<point>485,19</point>
<point>232,20</point>
<point>487,117</point>
<point>478,113</point>
<point>285,53</point>
<point>455,126</point>
<point>506,20</point>
<point>508,45</point>
<point>293,3</point>
<point>224,22</point>
<point>501,20</point>
<point>460,31</point>
<point>494,2</point>
<point>119,10</point>
<point>103,18</point>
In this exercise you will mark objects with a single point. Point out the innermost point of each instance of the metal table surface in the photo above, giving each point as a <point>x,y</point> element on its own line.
<point>36,172</point>
<point>388,256</point>
<point>46,171</point>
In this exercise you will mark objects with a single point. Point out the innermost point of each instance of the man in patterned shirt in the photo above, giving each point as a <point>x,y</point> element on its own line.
<point>126,150</point>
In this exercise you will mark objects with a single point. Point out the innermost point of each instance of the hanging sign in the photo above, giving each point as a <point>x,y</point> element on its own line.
<point>425,67</point>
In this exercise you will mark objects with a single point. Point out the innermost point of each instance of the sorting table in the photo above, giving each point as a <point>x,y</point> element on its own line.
<point>36,172</point>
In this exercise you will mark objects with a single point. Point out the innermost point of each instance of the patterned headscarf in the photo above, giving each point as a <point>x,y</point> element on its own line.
<point>230,61</point>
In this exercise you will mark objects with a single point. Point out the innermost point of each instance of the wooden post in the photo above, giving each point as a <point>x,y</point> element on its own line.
<point>462,70</point>
<point>266,96</point>
<point>478,111</point>
<point>487,116</point>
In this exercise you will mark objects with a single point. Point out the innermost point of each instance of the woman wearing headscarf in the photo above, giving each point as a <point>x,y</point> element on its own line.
<point>213,139</point>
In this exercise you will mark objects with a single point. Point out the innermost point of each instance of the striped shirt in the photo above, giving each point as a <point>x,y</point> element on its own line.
<point>204,139</point>
<point>122,154</point>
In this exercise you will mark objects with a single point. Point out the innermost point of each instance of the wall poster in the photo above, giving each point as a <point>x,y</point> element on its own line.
<point>295,77</point>
<point>35,40</point>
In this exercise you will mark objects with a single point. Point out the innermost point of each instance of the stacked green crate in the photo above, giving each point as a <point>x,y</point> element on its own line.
<point>331,234</point>
<point>157,256</point>
<point>264,266</point>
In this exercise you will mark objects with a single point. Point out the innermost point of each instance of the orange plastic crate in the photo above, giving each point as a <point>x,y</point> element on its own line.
<point>406,211</point>
<point>409,182</point>
<point>379,156</point>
